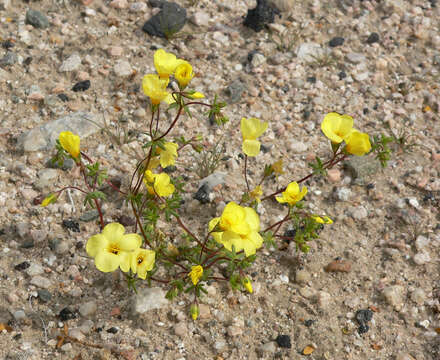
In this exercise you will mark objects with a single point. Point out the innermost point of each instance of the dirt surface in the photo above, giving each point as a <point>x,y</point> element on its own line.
<point>386,231</point>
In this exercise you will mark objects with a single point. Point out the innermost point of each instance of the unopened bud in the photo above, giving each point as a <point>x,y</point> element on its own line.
<point>194,311</point>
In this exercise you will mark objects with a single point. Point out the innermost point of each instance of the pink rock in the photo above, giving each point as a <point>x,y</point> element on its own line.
<point>115,51</point>
<point>36,96</point>
<point>82,75</point>
<point>86,2</point>
<point>334,175</point>
<point>435,156</point>
<point>119,4</point>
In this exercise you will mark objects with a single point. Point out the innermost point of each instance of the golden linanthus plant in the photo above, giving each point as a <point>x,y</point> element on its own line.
<point>232,239</point>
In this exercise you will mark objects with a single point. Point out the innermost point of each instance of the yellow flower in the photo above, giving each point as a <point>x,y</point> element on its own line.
<point>155,88</point>
<point>158,183</point>
<point>184,74</point>
<point>142,261</point>
<point>292,194</point>
<point>162,185</point>
<point>195,274</point>
<point>168,155</point>
<point>337,127</point>
<point>195,95</point>
<point>256,193</point>
<point>250,130</point>
<point>248,239</point>
<point>49,199</point>
<point>322,220</point>
<point>112,249</point>
<point>70,143</point>
<point>233,219</point>
<point>165,63</point>
<point>358,143</point>
<point>248,285</point>
<point>194,311</point>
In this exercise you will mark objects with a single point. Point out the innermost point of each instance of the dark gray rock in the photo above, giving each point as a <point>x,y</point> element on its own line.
<point>263,14</point>
<point>37,19</point>
<point>66,165</point>
<point>167,22</point>
<point>336,41</point>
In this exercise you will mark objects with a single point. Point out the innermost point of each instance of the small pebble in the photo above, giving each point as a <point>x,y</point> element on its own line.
<point>338,266</point>
<point>283,341</point>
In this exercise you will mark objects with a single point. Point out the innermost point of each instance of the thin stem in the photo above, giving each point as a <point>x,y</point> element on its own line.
<point>332,162</point>
<point>160,280</point>
<point>101,218</point>
<point>138,221</point>
<point>182,225</point>
<point>217,278</point>
<point>245,173</point>
<point>172,124</point>
<point>278,222</point>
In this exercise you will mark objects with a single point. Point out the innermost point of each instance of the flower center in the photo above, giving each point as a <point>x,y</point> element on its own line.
<point>114,249</point>
<point>140,260</point>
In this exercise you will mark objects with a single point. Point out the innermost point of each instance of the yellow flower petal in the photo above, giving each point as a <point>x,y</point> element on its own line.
<point>358,143</point>
<point>292,194</point>
<point>130,242</point>
<point>252,128</point>
<point>95,244</point>
<point>337,127</point>
<point>251,147</point>
<point>184,74</point>
<point>107,262</point>
<point>70,143</point>
<point>233,219</point>
<point>169,155</point>
<point>165,63</point>
<point>155,88</point>
<point>125,261</point>
<point>142,261</point>
<point>196,95</point>
<point>162,185</point>
<point>113,232</point>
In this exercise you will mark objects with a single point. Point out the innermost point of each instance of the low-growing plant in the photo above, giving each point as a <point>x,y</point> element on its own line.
<point>229,245</point>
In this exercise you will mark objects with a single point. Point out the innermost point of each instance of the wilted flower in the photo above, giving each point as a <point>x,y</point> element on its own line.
<point>248,285</point>
<point>251,129</point>
<point>256,193</point>
<point>112,249</point>
<point>49,199</point>
<point>195,274</point>
<point>292,194</point>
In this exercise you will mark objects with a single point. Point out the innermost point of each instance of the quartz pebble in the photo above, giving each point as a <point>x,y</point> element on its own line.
<point>394,295</point>
<point>422,258</point>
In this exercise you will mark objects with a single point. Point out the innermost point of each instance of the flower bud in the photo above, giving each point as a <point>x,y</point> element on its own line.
<point>194,311</point>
